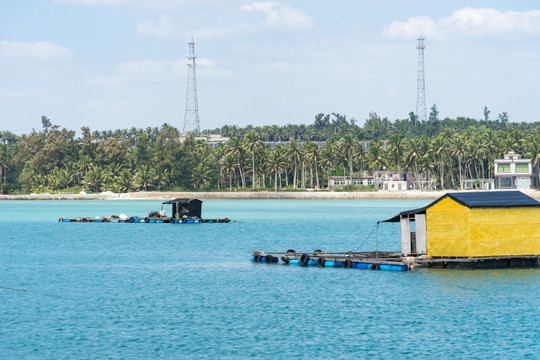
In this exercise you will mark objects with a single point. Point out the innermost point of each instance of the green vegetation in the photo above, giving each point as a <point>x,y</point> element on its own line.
<point>300,157</point>
<point>353,188</point>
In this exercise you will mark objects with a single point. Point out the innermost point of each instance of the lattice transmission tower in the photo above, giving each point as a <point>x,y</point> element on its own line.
<point>421,83</point>
<point>191,118</point>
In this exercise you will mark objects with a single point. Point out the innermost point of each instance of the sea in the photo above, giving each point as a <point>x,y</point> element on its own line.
<point>190,291</point>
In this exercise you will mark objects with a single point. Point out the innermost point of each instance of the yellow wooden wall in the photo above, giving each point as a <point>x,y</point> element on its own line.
<point>456,230</point>
<point>505,231</point>
<point>448,229</point>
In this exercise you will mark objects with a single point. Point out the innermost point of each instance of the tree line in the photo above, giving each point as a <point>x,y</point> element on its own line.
<point>289,157</point>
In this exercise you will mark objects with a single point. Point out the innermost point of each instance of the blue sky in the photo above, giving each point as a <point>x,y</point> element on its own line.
<point>112,64</point>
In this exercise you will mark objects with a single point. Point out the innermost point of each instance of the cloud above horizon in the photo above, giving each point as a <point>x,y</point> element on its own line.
<point>468,21</point>
<point>280,15</point>
<point>164,27</point>
<point>41,50</point>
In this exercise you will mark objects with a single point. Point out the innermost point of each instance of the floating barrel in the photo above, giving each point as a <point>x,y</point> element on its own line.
<point>361,265</point>
<point>313,262</point>
<point>330,263</point>
<point>66,220</point>
<point>399,268</point>
<point>294,262</point>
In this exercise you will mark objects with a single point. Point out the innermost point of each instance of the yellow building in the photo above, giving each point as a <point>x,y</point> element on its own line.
<point>472,224</point>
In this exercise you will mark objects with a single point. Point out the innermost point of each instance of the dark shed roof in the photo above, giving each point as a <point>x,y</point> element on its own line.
<point>181,201</point>
<point>481,199</point>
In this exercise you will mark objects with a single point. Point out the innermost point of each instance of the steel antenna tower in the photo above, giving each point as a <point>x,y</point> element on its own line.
<point>191,118</point>
<point>421,83</point>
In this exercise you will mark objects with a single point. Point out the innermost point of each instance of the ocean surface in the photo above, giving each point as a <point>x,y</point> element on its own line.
<point>190,291</point>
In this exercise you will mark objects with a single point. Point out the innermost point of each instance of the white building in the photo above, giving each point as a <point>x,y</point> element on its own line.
<point>514,172</point>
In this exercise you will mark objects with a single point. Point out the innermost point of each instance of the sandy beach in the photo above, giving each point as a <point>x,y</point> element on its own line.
<point>248,195</point>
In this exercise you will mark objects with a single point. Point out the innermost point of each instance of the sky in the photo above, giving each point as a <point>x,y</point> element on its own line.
<point>116,64</point>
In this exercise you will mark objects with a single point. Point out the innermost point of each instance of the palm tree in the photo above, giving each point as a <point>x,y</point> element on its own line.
<point>458,147</point>
<point>532,150</point>
<point>413,154</point>
<point>200,175</point>
<point>274,164</point>
<point>328,158</point>
<point>93,178</point>
<point>144,177</point>
<point>439,148</point>
<point>313,152</point>
<point>228,165</point>
<point>294,153</point>
<point>348,145</point>
<point>235,149</point>
<point>396,148</point>
<point>253,145</point>
<point>125,181</point>
<point>376,156</point>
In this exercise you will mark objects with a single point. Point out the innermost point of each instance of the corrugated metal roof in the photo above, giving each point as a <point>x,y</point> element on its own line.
<point>493,199</point>
<point>482,199</point>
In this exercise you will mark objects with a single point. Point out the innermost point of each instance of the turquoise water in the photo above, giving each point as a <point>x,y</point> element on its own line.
<point>189,291</point>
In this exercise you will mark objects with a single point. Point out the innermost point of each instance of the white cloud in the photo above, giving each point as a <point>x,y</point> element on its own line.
<point>164,27</point>
<point>280,15</point>
<point>42,50</point>
<point>467,21</point>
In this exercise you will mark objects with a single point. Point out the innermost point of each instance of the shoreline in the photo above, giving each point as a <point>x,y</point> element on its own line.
<point>248,195</point>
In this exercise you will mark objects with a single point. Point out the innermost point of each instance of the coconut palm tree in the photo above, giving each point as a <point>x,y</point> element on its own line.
<point>294,153</point>
<point>253,144</point>
<point>376,156</point>
<point>235,149</point>
<point>93,178</point>
<point>458,148</point>
<point>348,145</point>
<point>313,152</point>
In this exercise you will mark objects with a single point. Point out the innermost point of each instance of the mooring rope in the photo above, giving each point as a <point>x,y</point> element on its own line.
<point>367,237</point>
<point>6,288</point>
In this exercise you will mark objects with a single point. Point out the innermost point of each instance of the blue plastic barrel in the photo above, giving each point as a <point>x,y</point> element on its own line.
<point>385,267</point>
<point>294,262</point>
<point>361,265</point>
<point>398,267</point>
<point>313,262</point>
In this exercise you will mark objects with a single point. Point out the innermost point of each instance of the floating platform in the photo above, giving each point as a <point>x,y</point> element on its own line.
<point>487,262</point>
<point>143,220</point>
<point>380,260</point>
<point>185,211</point>
<point>385,260</point>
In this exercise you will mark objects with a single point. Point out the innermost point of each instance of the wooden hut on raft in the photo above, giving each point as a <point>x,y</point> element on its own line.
<point>487,225</point>
<point>184,207</point>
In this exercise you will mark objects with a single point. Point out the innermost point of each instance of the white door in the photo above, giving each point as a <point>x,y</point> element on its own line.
<point>523,183</point>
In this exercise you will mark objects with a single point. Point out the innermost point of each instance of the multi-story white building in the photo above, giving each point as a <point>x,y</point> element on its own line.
<point>514,172</point>
<point>385,180</point>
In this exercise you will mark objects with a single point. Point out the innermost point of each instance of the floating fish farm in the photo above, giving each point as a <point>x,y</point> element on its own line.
<point>184,211</point>
<point>376,260</point>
